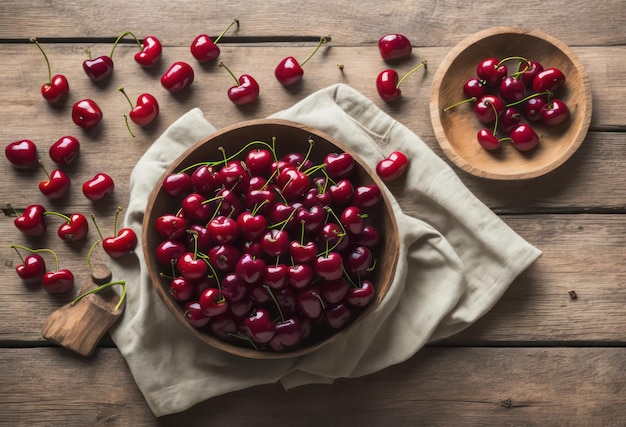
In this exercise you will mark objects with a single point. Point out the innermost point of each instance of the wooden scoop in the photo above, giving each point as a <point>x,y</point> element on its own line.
<point>80,326</point>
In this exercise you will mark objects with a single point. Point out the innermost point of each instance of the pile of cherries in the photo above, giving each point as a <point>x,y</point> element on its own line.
<point>269,253</point>
<point>504,100</point>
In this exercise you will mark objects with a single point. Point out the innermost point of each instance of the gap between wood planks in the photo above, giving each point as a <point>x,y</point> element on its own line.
<point>130,40</point>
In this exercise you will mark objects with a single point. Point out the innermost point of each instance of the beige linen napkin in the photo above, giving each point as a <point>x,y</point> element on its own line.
<point>456,261</point>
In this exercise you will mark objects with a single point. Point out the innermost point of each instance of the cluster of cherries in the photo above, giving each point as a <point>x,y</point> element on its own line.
<point>504,99</point>
<point>269,252</point>
<point>32,220</point>
<point>392,48</point>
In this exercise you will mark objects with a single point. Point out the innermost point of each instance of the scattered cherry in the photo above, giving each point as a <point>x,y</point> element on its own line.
<point>145,110</point>
<point>98,187</point>
<point>394,46</point>
<point>64,150</point>
<point>86,113</point>
<point>388,85</point>
<point>393,166</point>
<point>22,154</point>
<point>246,90</point>
<point>289,71</point>
<point>179,76</point>
<point>122,241</point>
<point>57,87</point>
<point>204,49</point>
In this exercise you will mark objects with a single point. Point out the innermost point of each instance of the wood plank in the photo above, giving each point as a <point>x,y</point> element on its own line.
<point>505,386</point>
<point>426,23</point>
<point>583,253</point>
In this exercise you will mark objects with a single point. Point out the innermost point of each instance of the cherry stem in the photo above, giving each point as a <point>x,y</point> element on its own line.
<point>258,206</point>
<point>321,300</point>
<point>269,291</point>
<point>308,153</point>
<point>229,72</point>
<point>91,249</point>
<point>302,232</point>
<point>511,58</point>
<point>44,169</point>
<point>101,287</point>
<point>373,266</point>
<point>128,126</point>
<point>195,242</point>
<point>18,253</point>
<point>10,206</point>
<point>93,218</point>
<point>422,64</point>
<point>321,42</point>
<point>56,258</point>
<point>472,99</point>
<point>65,217</point>
<point>34,40</point>
<point>495,112</point>
<point>125,33</point>
<point>345,272</point>
<point>205,258</point>
<point>121,89</point>
<point>235,21</point>
<point>534,95</point>
<point>117,215</point>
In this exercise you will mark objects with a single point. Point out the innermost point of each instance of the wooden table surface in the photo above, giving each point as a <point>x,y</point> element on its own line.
<point>538,357</point>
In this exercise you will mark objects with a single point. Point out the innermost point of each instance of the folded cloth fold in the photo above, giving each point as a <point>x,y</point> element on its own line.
<point>457,258</point>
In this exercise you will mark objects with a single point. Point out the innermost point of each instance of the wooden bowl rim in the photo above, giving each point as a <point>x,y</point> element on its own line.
<point>251,353</point>
<point>435,109</point>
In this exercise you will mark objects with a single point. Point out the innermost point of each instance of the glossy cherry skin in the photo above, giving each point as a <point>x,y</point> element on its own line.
<point>361,296</point>
<point>250,269</point>
<point>530,72</point>
<point>302,252</point>
<point>58,282</point>
<point>386,85</point>
<point>75,229</point>
<point>195,208</point>
<point>32,269</point>
<point>333,291</point>
<point>98,69</point>
<point>394,46</point>
<point>56,186</point>
<point>194,314</point>
<point>150,51</point>
<point>204,180</point>
<point>288,334</point>
<point>524,137</point>
<point>369,237</point>
<point>223,229</point>
<point>310,302</point>
<point>487,139</point>
<point>488,107</point>
<point>392,167</point>
<point>212,302</point>
<point>366,196</point>
<point>329,266</point>
<point>120,245</point>
<point>179,76</point>
<point>32,221</point>
<point>510,118</point>
<point>22,154</point>
<point>251,226</point>
<point>64,150</point>
<point>474,87</point>
<point>57,90</point>
<point>341,192</point>
<point>512,89</point>
<point>532,108</point>
<point>168,251</point>
<point>181,289</point>
<point>259,326</point>
<point>233,287</point>
<point>170,226</point>
<point>359,259</point>
<point>246,92</point>
<point>313,218</point>
<point>204,49</point>
<point>98,187</point>
<point>258,161</point>
<point>276,276</point>
<point>300,275</point>
<point>145,111</point>
<point>353,219</point>
<point>337,316</point>
<point>177,184</point>
<point>224,257</point>
<point>490,72</point>
<point>275,242</point>
<point>555,112</point>
<point>86,113</point>
<point>549,79</point>
<point>288,71</point>
<point>339,165</point>
<point>293,183</point>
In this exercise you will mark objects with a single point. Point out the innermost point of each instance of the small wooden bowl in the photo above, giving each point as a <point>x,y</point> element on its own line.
<point>456,129</point>
<point>290,137</point>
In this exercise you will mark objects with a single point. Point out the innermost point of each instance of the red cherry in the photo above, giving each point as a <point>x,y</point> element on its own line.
<point>337,316</point>
<point>353,219</point>
<point>339,165</point>
<point>275,242</point>
<point>302,252</point>
<point>121,244</point>
<point>75,227</point>
<point>145,110</point>
<point>258,161</point>
<point>361,296</point>
<point>530,71</point>
<point>532,108</point>
<point>224,257</point>
<point>150,51</point>
<point>86,113</point>
<point>182,289</point>
<point>177,184</point>
<point>394,46</point>
<point>168,251</point>
<point>488,107</point>
<point>276,276</point>
<point>329,265</point>
<point>22,154</point>
<point>204,180</point>
<point>491,71</point>
<point>259,326</point>
<point>549,79</point>
<point>251,226</point>
<point>487,139</point>
<point>359,259</point>
<point>288,334</point>
<point>179,76</point>
<point>524,137</point>
<point>246,90</point>
<point>289,71</point>
<point>509,119</point>
<point>233,288</point>
<point>366,196</point>
<point>194,314</point>
<point>170,226</point>
<point>388,85</point>
<point>292,183</point>
<point>195,208</point>
<point>58,282</point>
<point>204,49</point>
<point>555,112</point>
<point>474,88</point>
<point>512,89</point>
<point>333,291</point>
<point>57,87</point>
<point>33,266</point>
<point>98,69</point>
<point>98,187</point>
<point>212,302</point>
<point>392,167</point>
<point>57,184</point>
<point>32,221</point>
<point>64,150</point>
<point>300,275</point>
<point>310,302</point>
<point>223,229</point>
<point>250,269</point>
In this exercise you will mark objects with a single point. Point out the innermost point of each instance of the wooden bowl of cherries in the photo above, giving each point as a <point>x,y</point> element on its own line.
<point>269,239</point>
<point>510,103</point>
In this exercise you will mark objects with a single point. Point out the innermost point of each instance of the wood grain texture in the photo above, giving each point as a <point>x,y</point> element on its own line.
<point>437,387</point>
